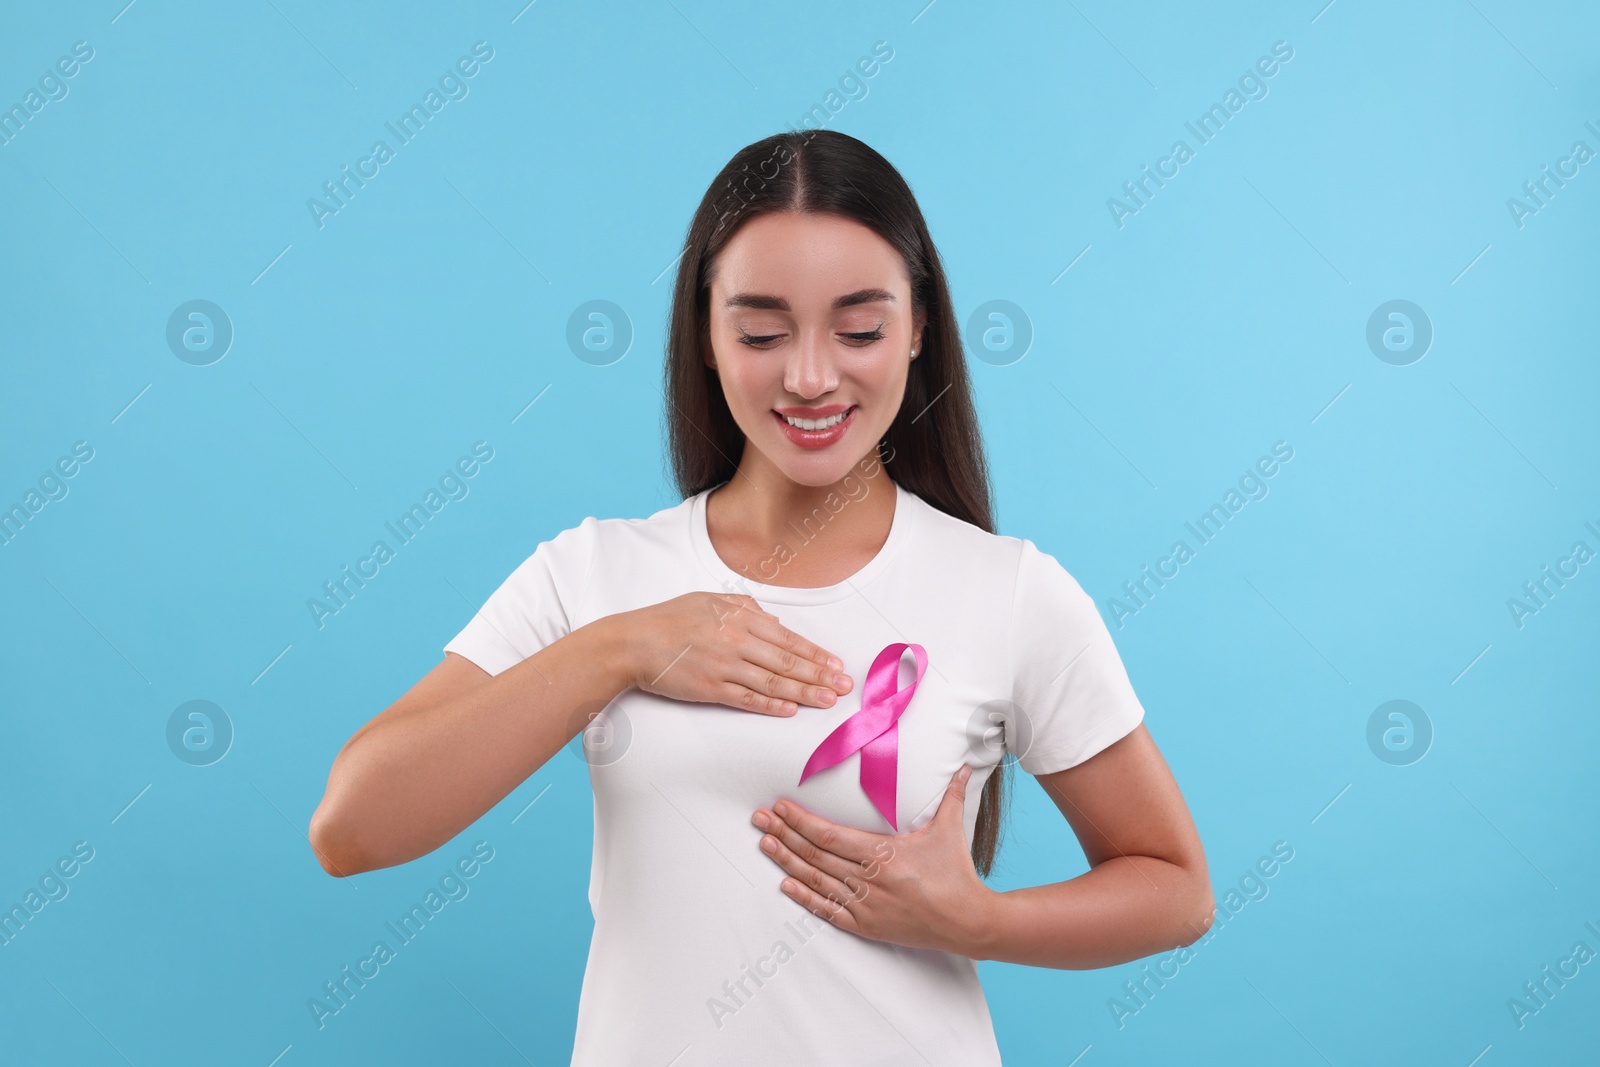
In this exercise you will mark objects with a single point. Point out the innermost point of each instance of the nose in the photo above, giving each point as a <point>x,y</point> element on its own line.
<point>809,371</point>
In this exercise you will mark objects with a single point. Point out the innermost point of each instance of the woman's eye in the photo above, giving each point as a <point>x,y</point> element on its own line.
<point>762,339</point>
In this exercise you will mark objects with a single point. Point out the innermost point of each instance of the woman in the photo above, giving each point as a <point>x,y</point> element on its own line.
<point>770,884</point>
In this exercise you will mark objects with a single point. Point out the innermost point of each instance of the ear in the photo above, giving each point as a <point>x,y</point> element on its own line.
<point>917,338</point>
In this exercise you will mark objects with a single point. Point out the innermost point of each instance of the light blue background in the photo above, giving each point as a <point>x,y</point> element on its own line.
<point>370,354</point>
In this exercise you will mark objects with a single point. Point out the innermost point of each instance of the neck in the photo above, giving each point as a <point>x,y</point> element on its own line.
<point>761,507</point>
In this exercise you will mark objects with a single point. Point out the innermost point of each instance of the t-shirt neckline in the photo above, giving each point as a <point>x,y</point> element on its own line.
<point>732,581</point>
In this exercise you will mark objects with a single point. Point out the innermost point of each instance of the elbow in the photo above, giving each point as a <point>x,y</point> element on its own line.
<point>1199,911</point>
<point>333,841</point>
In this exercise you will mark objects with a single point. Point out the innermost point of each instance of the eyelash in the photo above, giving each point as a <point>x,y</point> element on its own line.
<point>866,338</point>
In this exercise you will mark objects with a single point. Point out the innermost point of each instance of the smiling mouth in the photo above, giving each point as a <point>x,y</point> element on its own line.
<point>818,424</point>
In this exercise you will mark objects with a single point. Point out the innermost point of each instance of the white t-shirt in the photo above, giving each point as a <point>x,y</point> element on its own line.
<point>698,958</point>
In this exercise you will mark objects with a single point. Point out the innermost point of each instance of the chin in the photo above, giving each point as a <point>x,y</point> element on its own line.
<point>816,475</point>
<point>821,468</point>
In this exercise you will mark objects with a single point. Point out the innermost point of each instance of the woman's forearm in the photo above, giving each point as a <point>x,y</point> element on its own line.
<point>1125,908</point>
<point>411,780</point>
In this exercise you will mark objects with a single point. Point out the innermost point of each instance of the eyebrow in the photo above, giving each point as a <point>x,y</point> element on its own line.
<point>777,303</point>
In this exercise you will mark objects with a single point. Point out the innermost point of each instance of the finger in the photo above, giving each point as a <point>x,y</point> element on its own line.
<point>817,880</point>
<point>790,664</point>
<point>770,629</point>
<point>743,698</point>
<point>762,680</point>
<point>952,805</point>
<point>845,842</point>
<point>847,872</point>
<point>820,906</point>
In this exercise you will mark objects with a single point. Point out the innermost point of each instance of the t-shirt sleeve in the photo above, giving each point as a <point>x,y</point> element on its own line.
<point>1071,692</point>
<point>532,608</point>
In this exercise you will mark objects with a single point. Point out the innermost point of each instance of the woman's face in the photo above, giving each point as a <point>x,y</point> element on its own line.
<point>811,320</point>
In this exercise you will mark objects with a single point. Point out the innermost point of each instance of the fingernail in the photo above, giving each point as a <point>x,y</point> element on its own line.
<point>841,682</point>
<point>836,663</point>
<point>761,820</point>
<point>966,771</point>
<point>782,810</point>
<point>768,845</point>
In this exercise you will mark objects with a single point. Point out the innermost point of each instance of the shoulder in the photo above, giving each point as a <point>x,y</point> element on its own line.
<point>1004,577</point>
<point>669,521</point>
<point>616,534</point>
<point>1039,585</point>
<point>971,547</point>
<point>565,560</point>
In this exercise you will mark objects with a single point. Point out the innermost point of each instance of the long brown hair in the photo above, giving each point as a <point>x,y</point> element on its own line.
<point>934,447</point>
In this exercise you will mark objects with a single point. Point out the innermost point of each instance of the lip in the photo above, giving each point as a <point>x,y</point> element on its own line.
<point>815,438</point>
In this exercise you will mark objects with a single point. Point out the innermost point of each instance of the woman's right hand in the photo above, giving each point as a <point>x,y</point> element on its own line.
<point>724,648</point>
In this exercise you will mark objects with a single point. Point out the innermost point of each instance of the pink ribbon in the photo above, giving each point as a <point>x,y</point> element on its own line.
<point>874,730</point>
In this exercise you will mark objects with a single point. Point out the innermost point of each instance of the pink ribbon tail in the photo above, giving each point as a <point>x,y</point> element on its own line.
<point>874,731</point>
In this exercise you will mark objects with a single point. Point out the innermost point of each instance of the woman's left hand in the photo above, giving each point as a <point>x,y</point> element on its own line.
<point>918,889</point>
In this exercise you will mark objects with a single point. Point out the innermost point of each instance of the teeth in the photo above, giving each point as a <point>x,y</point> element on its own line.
<point>817,424</point>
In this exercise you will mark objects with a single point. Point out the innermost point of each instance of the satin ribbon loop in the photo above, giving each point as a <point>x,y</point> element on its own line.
<point>874,731</point>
